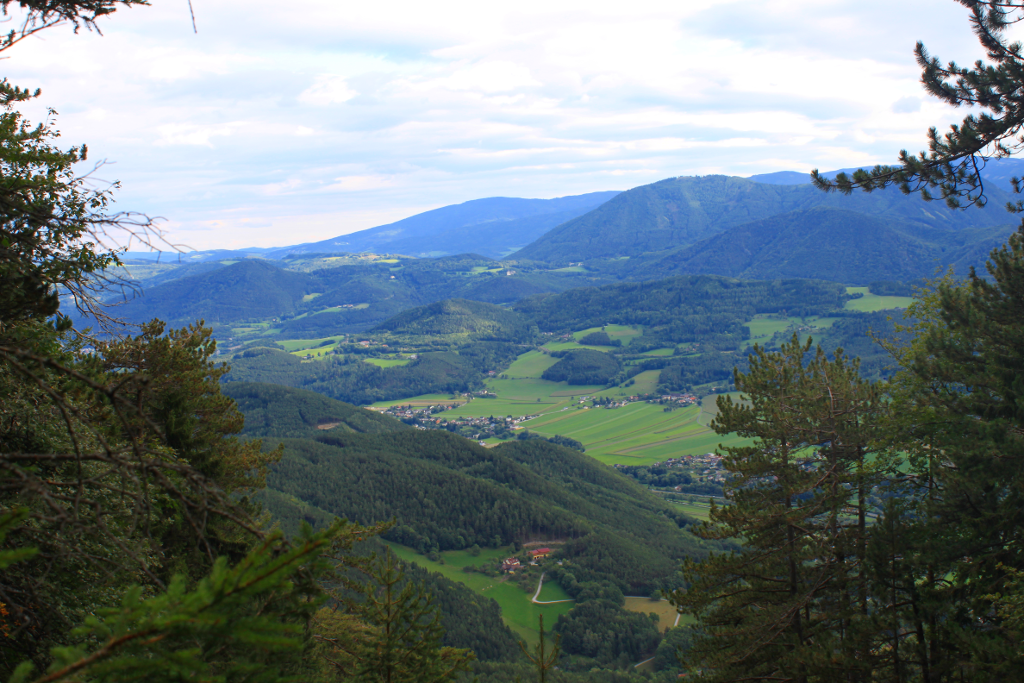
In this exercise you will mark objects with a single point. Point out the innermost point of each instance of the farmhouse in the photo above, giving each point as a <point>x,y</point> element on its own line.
<point>510,565</point>
<point>539,554</point>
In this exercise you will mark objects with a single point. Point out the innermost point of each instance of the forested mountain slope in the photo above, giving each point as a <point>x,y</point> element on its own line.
<point>246,290</point>
<point>682,211</point>
<point>447,492</point>
<point>684,308</point>
<point>821,243</point>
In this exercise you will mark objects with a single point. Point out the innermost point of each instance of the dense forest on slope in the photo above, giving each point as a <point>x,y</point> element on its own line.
<point>683,211</point>
<point>446,492</point>
<point>582,367</point>
<point>350,379</point>
<point>682,309</point>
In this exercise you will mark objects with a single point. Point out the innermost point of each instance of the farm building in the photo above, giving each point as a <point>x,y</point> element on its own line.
<point>510,565</point>
<point>539,554</point>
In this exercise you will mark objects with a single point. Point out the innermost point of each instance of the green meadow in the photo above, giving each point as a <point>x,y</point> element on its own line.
<point>869,303</point>
<point>624,333</point>
<point>516,608</point>
<point>636,434</point>
<point>387,362</point>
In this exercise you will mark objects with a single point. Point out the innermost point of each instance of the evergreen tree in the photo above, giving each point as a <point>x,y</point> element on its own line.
<point>790,604</point>
<point>953,163</point>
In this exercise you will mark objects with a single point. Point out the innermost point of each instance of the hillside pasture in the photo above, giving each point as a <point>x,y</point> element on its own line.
<point>387,362</point>
<point>530,364</point>
<point>516,608</point>
<point>624,333</point>
<point>869,303</point>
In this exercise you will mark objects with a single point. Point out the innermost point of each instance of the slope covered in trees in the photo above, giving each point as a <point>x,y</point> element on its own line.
<point>683,211</point>
<point>820,243</point>
<point>448,493</point>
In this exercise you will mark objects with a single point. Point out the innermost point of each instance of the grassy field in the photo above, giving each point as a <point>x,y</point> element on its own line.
<point>552,590</point>
<point>291,345</point>
<point>530,365</point>
<point>622,332</point>
<point>387,362</point>
<point>869,303</point>
<point>663,608</point>
<point>637,434</point>
<point>516,609</point>
<point>698,511</point>
<point>660,352</point>
<point>422,401</point>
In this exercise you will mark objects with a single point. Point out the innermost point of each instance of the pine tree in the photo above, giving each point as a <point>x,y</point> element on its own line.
<point>953,163</point>
<point>791,604</point>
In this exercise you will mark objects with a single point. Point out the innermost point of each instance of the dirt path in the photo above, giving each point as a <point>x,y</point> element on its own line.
<point>540,584</point>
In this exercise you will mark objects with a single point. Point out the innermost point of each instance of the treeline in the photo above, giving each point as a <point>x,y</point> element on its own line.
<point>349,379</point>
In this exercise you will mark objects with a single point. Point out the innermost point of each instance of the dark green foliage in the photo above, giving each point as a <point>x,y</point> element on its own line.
<point>791,603</point>
<point>461,317</point>
<point>675,644</point>
<point>469,620</point>
<point>527,435</point>
<point>583,366</point>
<point>600,338</point>
<point>602,630</point>
<point>449,493</point>
<point>701,308</point>
<point>404,641</point>
<point>889,288</point>
<point>272,409</point>
<point>353,381</point>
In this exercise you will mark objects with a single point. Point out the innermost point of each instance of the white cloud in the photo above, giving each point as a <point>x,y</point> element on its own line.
<point>327,90</point>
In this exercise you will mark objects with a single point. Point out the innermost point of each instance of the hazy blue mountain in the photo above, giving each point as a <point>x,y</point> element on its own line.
<point>247,290</point>
<point>492,227</point>
<point>682,211</point>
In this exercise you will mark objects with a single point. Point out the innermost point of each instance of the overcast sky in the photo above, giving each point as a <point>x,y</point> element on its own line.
<point>280,123</point>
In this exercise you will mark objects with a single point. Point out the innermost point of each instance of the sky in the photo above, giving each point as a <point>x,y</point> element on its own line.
<point>281,123</point>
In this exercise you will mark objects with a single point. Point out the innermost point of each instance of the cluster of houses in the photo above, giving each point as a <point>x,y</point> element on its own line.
<point>511,564</point>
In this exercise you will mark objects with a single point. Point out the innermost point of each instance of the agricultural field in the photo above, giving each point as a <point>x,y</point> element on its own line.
<point>423,401</point>
<point>659,352</point>
<point>516,609</point>
<point>622,332</point>
<point>663,608</point>
<point>635,434</point>
<point>869,303</point>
